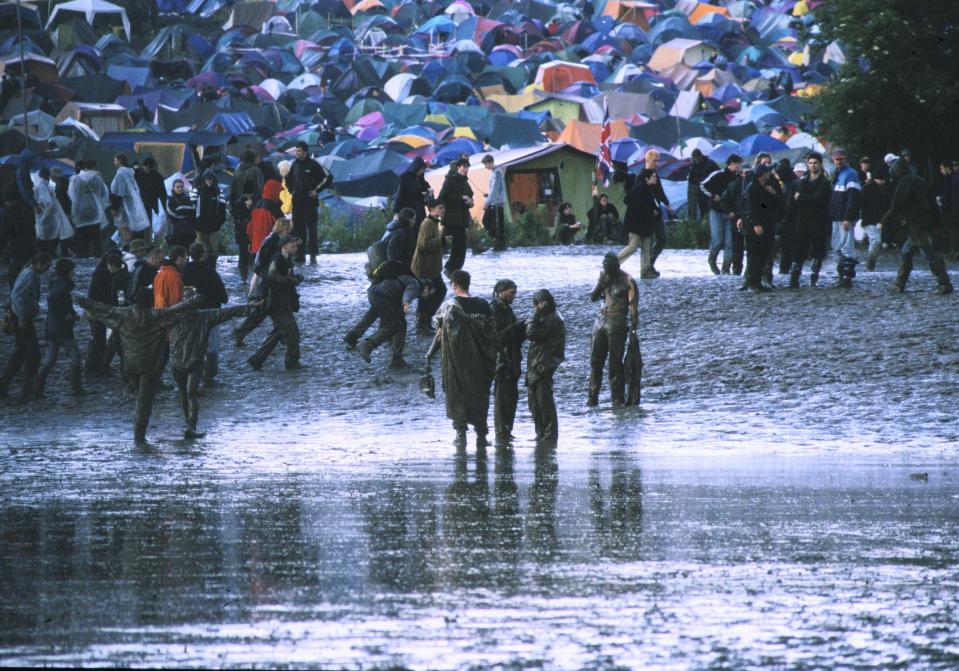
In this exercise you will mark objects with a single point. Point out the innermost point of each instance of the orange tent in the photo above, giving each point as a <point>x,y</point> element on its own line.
<point>702,9</point>
<point>631,11</point>
<point>586,136</point>
<point>557,75</point>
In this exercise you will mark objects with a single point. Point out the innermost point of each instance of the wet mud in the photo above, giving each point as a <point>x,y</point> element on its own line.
<point>786,496</point>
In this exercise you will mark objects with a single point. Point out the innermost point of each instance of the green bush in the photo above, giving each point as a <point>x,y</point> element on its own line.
<point>688,234</point>
<point>529,229</point>
<point>335,236</point>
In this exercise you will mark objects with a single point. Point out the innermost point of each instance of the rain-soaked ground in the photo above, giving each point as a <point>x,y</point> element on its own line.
<point>786,497</point>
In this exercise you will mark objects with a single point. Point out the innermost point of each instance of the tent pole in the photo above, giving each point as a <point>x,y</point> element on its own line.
<point>23,76</point>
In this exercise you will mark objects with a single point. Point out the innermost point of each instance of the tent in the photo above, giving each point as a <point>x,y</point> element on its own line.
<point>680,51</point>
<point>502,129</point>
<point>94,11</point>
<point>631,11</point>
<point>548,175</point>
<point>557,75</point>
<point>586,136</point>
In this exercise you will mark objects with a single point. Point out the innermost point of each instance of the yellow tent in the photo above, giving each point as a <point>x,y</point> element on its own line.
<point>414,141</point>
<point>438,118</point>
<point>464,131</point>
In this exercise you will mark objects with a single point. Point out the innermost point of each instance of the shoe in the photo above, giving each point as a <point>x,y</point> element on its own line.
<point>713,267</point>
<point>254,364</point>
<point>364,350</point>
<point>844,283</point>
<point>944,289</point>
<point>460,440</point>
<point>312,259</point>
<point>757,289</point>
<point>744,286</point>
<point>655,272</point>
<point>350,341</point>
<point>482,440</point>
<point>592,402</point>
<point>648,275</point>
<point>192,434</point>
<point>238,339</point>
<point>398,363</point>
<point>294,366</point>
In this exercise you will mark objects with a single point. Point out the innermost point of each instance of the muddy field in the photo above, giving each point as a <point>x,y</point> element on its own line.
<point>786,496</point>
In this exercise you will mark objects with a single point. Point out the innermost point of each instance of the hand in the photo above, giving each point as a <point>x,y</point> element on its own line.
<point>846,225</point>
<point>758,230</point>
<point>769,189</point>
<point>739,224</point>
<point>716,199</point>
<point>312,194</point>
<point>795,196</point>
<point>406,308</point>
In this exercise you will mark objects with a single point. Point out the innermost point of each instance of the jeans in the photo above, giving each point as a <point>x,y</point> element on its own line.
<point>53,351</point>
<point>659,232</point>
<point>875,238</point>
<point>844,242</point>
<point>720,236</point>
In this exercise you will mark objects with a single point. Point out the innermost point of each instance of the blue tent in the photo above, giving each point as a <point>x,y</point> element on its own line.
<point>452,150</point>
<point>759,143</point>
<point>506,130</point>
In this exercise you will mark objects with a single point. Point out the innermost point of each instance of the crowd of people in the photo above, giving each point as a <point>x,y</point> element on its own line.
<point>155,306</point>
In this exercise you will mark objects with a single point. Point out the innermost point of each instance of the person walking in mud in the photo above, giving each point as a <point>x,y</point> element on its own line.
<point>390,300</point>
<point>143,332</point>
<point>546,333</point>
<point>282,302</point>
<point>25,307</point>
<point>620,296</point>
<point>427,265</point>
<point>189,342</point>
<point>509,358</point>
<point>912,203</point>
<point>467,340</point>
<point>59,328</point>
<point>261,266</point>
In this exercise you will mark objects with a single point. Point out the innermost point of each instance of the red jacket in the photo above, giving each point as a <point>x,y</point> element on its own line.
<point>264,215</point>
<point>167,286</point>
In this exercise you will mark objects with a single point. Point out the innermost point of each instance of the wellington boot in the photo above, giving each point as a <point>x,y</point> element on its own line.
<point>76,381</point>
<point>40,386</point>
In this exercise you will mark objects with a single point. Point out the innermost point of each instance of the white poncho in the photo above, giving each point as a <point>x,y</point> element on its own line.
<point>132,214</point>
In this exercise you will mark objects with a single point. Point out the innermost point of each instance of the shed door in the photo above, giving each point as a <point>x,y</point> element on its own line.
<point>528,189</point>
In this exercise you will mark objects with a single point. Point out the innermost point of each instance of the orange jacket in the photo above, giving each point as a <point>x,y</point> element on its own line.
<point>167,286</point>
<point>264,215</point>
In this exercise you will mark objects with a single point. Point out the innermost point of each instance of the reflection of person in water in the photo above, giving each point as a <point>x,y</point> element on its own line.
<point>506,525</point>
<point>466,520</point>
<point>541,512</point>
<point>618,518</point>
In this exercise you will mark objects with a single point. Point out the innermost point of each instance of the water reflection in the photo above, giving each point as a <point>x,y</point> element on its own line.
<point>616,509</point>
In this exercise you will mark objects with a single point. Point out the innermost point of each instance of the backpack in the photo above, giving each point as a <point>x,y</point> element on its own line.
<point>376,256</point>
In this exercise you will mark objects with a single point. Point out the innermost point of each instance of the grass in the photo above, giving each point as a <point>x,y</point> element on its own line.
<point>688,234</point>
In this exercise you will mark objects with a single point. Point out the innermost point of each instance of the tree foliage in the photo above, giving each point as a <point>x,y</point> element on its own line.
<point>899,86</point>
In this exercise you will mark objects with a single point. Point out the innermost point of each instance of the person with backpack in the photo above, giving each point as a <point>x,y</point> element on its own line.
<point>390,300</point>
<point>245,190</point>
<point>210,212</point>
<point>263,255</point>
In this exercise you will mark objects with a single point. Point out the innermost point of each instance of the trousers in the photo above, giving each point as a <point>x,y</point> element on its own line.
<point>286,329</point>
<point>305,219</point>
<point>609,341</point>
<point>543,408</point>
<point>505,399</point>
<point>188,383</point>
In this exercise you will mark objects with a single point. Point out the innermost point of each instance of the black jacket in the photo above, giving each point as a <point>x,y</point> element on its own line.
<point>765,208</point>
<point>210,207</point>
<point>203,277</point>
<point>547,350</point>
<point>60,312</point>
<point>701,171</point>
<point>141,277</point>
<point>451,195</point>
<point>412,191</point>
<point>876,200</point>
<point>281,286</point>
<point>306,175</point>
<point>512,333</point>
<point>102,288</point>
<point>812,206</point>
<point>715,184</point>
<point>641,210</point>
<point>152,189</point>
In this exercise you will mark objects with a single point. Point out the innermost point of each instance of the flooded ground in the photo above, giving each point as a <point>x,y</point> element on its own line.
<point>786,497</point>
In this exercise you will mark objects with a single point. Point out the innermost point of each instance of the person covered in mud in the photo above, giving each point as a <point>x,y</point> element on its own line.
<point>546,333</point>
<point>189,342</point>
<point>620,296</point>
<point>282,302</point>
<point>509,358</point>
<point>912,203</point>
<point>390,299</point>
<point>143,338</point>
<point>466,337</point>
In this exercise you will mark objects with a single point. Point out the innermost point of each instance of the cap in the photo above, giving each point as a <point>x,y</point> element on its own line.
<point>889,159</point>
<point>838,151</point>
<point>139,246</point>
<point>800,167</point>
<point>865,159</point>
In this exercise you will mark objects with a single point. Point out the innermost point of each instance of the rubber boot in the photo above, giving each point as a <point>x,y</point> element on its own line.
<point>814,274</point>
<point>40,385</point>
<point>726,266</point>
<point>140,433</point>
<point>593,399</point>
<point>712,263</point>
<point>76,380</point>
<point>794,274</point>
<point>902,277</point>
<point>938,268</point>
<point>871,261</point>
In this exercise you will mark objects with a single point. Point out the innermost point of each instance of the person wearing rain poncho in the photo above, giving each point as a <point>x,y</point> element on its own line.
<point>466,335</point>
<point>89,199</point>
<point>129,214</point>
<point>53,227</point>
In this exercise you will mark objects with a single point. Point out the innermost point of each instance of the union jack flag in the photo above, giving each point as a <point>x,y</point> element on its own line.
<point>604,159</point>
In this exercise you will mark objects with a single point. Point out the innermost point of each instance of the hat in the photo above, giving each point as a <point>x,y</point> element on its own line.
<point>838,151</point>
<point>287,239</point>
<point>800,167</point>
<point>761,169</point>
<point>889,159</point>
<point>139,246</point>
<point>865,159</point>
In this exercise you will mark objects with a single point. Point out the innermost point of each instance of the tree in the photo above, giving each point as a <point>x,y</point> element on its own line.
<point>898,87</point>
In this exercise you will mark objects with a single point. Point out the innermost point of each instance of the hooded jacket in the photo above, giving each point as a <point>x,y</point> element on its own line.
<point>203,277</point>
<point>412,190</point>
<point>190,337</point>
<point>546,333</point>
<point>264,215</point>
<point>89,198</point>
<point>180,213</point>
<point>132,214</point>
<point>428,257</point>
<point>60,312</point>
<point>167,286</point>
<point>52,222</point>
<point>247,181</point>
